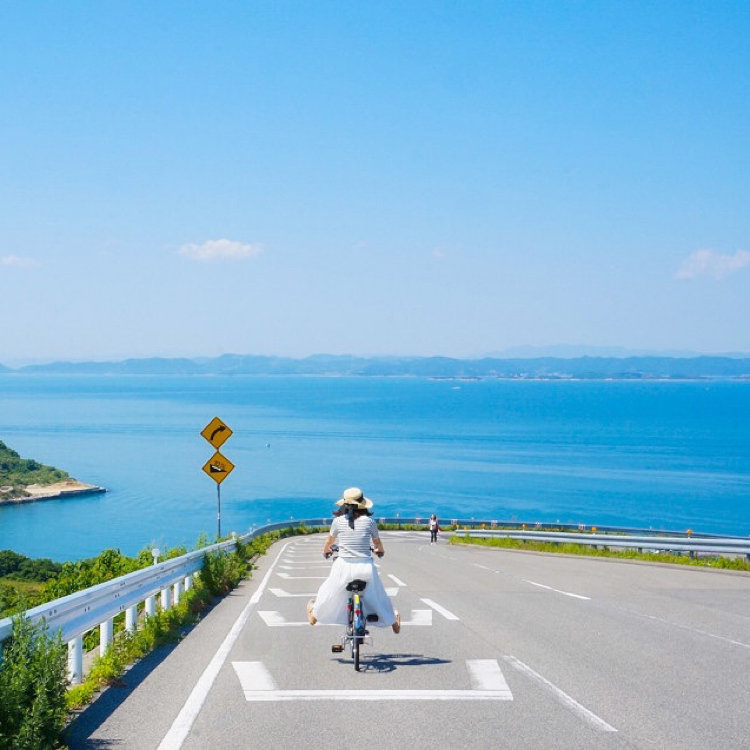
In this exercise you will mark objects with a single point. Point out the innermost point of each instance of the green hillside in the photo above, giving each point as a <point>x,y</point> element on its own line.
<point>17,472</point>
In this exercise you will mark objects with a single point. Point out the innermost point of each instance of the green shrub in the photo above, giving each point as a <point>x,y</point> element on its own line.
<point>32,688</point>
<point>222,571</point>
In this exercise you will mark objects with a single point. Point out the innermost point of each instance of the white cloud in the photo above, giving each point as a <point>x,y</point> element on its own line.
<point>220,250</point>
<point>710,263</point>
<point>18,261</point>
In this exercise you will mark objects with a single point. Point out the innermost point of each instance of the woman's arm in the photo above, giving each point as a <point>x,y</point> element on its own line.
<point>327,546</point>
<point>378,546</point>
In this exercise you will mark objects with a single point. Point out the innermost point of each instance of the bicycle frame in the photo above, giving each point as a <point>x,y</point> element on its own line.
<point>356,629</point>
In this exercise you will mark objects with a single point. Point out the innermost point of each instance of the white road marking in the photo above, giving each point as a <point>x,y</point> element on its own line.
<point>182,724</point>
<point>396,580</point>
<point>277,620</point>
<point>570,703</point>
<point>391,591</point>
<point>487,675</point>
<point>283,594</point>
<point>302,578</point>
<point>440,610</point>
<point>691,630</point>
<point>487,680</point>
<point>375,695</point>
<point>273,619</point>
<point>558,591</point>
<point>483,567</point>
<point>420,618</point>
<point>254,676</point>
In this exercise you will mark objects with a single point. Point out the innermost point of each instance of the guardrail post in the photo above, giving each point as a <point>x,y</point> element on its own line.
<point>151,606</point>
<point>131,619</point>
<point>177,591</point>
<point>75,660</point>
<point>165,603</point>
<point>188,583</point>
<point>106,631</point>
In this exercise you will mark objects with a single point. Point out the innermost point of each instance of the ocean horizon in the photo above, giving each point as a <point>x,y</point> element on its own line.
<point>655,455</point>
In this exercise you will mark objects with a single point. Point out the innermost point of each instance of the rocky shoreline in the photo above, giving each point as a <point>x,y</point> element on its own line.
<point>67,488</point>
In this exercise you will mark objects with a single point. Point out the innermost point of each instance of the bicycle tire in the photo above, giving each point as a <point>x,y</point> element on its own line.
<point>355,649</point>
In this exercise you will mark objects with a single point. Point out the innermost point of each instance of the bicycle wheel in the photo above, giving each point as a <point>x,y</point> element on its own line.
<point>358,630</point>
<point>355,652</point>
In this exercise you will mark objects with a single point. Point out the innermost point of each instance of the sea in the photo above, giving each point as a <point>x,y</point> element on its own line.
<point>664,455</point>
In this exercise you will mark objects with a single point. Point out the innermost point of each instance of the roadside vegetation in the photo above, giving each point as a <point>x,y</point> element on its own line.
<point>35,697</point>
<point>727,563</point>
<point>16,473</point>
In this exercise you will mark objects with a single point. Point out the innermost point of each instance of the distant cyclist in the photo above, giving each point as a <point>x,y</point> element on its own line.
<point>355,532</point>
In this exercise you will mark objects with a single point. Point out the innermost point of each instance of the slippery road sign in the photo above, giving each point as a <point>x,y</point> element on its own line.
<point>218,467</point>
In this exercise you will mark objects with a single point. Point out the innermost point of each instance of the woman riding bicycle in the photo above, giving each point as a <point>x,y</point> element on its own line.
<point>355,532</point>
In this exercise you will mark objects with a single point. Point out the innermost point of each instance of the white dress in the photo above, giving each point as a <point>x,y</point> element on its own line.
<point>330,602</point>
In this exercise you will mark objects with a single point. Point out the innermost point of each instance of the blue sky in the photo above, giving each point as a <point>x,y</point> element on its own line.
<point>290,178</point>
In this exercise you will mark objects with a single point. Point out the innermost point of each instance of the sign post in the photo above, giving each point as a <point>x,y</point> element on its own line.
<point>218,467</point>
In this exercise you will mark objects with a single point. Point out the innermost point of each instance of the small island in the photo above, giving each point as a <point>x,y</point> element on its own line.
<point>24,480</point>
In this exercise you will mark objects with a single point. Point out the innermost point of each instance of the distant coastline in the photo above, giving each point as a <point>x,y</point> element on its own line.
<point>66,488</point>
<point>534,368</point>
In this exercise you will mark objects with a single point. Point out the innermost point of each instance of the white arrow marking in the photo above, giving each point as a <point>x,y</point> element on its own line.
<point>277,620</point>
<point>441,610</point>
<point>419,618</point>
<point>282,594</point>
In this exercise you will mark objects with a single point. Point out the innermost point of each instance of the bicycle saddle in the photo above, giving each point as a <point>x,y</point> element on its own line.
<point>356,585</point>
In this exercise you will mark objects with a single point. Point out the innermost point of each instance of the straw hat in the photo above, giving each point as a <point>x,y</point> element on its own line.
<point>355,496</point>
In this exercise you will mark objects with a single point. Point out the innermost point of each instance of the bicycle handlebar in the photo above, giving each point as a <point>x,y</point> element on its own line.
<point>334,551</point>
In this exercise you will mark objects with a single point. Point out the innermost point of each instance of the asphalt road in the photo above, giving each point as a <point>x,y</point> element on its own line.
<point>497,649</point>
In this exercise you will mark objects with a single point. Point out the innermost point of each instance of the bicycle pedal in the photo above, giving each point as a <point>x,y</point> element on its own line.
<point>337,648</point>
<point>372,618</point>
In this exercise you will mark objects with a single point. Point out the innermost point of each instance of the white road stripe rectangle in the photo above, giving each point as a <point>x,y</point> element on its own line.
<point>486,675</point>
<point>558,591</point>
<point>396,580</point>
<point>254,676</point>
<point>440,610</point>
<point>376,695</point>
<point>488,683</point>
<point>570,703</point>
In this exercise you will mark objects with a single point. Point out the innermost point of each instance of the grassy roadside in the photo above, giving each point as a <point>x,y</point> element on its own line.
<point>725,563</point>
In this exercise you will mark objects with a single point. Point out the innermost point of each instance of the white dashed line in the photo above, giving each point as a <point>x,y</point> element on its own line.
<point>558,591</point>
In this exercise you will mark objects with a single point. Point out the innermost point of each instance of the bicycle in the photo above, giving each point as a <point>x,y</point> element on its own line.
<point>356,628</point>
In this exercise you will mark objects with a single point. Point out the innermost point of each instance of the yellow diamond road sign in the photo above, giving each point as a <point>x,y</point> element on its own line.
<point>218,467</point>
<point>216,432</point>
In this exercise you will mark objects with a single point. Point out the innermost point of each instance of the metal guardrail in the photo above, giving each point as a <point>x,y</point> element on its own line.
<point>672,543</point>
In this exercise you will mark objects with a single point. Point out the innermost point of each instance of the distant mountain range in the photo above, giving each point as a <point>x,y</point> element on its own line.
<point>590,368</point>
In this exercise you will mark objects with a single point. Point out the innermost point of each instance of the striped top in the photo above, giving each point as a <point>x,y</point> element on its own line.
<point>354,542</point>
